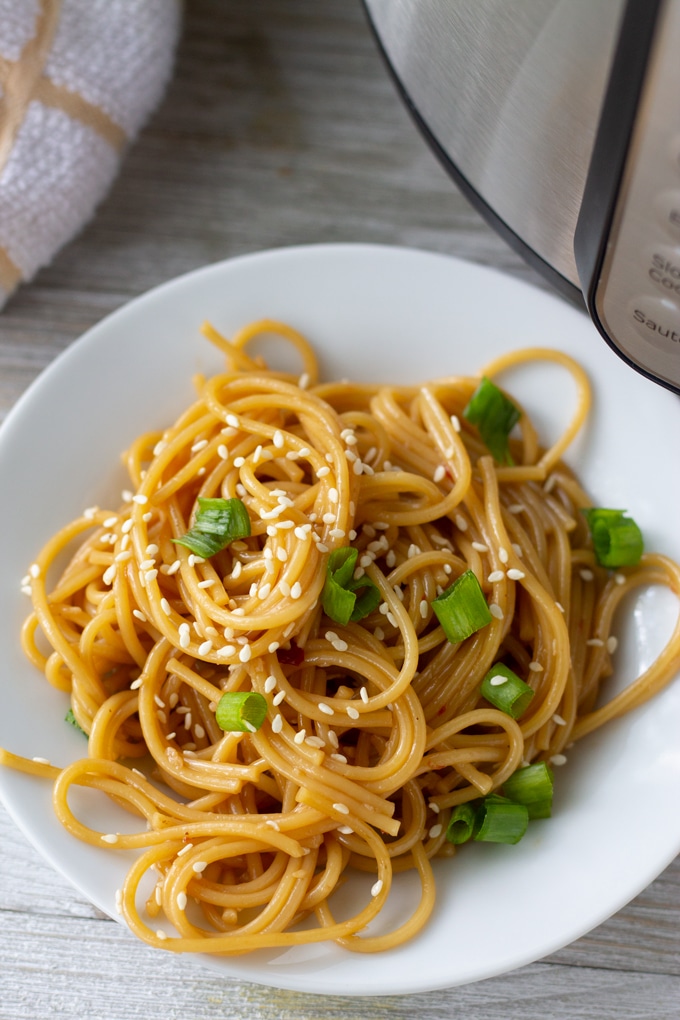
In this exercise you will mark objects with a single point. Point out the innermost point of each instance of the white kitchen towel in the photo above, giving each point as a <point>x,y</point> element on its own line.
<point>78,78</point>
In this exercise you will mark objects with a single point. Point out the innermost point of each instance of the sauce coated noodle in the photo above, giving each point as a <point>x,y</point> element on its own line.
<point>374,730</point>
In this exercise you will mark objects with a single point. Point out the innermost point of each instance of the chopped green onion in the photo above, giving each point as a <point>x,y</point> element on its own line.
<point>532,786</point>
<point>500,820</point>
<point>339,596</point>
<point>72,721</point>
<point>617,540</point>
<point>241,711</point>
<point>461,824</point>
<point>504,690</point>
<point>218,523</point>
<point>495,416</point>
<point>462,608</point>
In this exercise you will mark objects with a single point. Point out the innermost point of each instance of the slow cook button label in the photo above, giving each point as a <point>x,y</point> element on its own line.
<point>656,320</point>
<point>663,268</point>
<point>667,207</point>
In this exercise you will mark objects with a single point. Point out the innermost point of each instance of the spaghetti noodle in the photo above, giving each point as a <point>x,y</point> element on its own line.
<point>375,729</point>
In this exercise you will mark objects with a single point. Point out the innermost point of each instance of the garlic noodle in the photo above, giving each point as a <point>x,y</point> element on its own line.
<point>375,729</point>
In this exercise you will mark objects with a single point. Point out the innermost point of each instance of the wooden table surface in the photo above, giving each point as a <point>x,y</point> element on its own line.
<point>279,127</point>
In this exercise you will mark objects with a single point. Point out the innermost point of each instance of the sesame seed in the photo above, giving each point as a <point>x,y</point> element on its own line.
<point>272,647</point>
<point>558,759</point>
<point>41,761</point>
<point>147,517</point>
<point>435,831</point>
<point>199,866</point>
<point>352,712</point>
<point>205,648</point>
<point>165,606</point>
<point>146,564</point>
<point>620,578</point>
<point>558,720</point>
<point>299,737</point>
<point>326,709</point>
<point>303,381</point>
<point>515,575</point>
<point>123,556</point>
<point>161,716</point>
<point>480,547</point>
<point>185,849</point>
<point>277,723</point>
<point>89,512</point>
<point>278,439</point>
<point>199,732</point>
<point>342,809</point>
<point>495,611</point>
<point>333,495</point>
<point>434,807</point>
<point>376,888</point>
<point>278,698</point>
<point>269,684</point>
<point>455,421</point>
<point>109,574</point>
<point>236,570</point>
<point>245,653</point>
<point>136,684</point>
<point>595,642</point>
<point>273,824</point>
<point>439,473</point>
<point>586,575</point>
<point>339,645</point>
<point>559,606</point>
<point>363,694</point>
<point>160,934</point>
<point>503,555</point>
<point>159,701</point>
<point>139,615</point>
<point>516,508</point>
<point>110,837</point>
<point>413,550</point>
<point>496,575</point>
<point>296,590</point>
<point>612,644</point>
<point>323,471</point>
<point>498,680</point>
<point>232,420</point>
<point>150,575</point>
<point>181,900</point>
<point>140,498</point>
<point>461,523</point>
<point>391,558</point>
<point>424,606</point>
<point>184,635</point>
<point>535,667</point>
<point>173,568</point>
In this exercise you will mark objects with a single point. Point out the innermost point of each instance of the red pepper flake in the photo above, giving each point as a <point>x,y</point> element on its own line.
<point>292,656</point>
<point>440,711</point>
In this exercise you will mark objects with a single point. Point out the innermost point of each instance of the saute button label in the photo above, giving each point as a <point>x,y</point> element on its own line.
<point>656,320</point>
<point>667,207</point>
<point>663,268</point>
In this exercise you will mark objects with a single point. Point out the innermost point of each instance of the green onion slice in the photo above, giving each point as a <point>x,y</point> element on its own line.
<point>218,523</point>
<point>495,416</point>
<point>461,824</point>
<point>462,609</point>
<point>506,691</point>
<point>532,786</point>
<point>340,598</point>
<point>241,711</point>
<point>617,540</point>
<point>72,721</point>
<point>500,820</point>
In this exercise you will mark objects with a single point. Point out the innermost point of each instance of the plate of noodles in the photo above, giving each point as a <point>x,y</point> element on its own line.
<point>340,629</point>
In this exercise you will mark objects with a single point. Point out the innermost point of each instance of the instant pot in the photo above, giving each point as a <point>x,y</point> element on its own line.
<point>560,120</point>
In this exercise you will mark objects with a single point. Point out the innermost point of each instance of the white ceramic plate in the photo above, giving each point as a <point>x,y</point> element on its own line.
<point>390,314</point>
